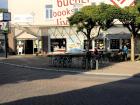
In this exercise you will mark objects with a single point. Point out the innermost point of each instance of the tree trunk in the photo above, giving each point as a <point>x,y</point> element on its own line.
<point>132,48</point>
<point>87,52</point>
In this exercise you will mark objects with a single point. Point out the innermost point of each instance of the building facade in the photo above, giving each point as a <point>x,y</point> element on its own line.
<point>42,26</point>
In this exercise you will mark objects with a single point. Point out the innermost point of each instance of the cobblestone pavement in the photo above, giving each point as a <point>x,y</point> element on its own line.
<point>22,86</point>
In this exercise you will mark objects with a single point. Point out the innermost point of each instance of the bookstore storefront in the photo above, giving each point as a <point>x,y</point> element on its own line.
<point>50,16</point>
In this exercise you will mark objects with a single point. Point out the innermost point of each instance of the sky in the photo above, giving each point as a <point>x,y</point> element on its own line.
<point>3,4</point>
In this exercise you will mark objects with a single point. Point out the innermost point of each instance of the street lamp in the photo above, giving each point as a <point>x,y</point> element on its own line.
<point>5,17</point>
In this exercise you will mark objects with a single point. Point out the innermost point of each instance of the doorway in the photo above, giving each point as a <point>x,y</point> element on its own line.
<point>28,46</point>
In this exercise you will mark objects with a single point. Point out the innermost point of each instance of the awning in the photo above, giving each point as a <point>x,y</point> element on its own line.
<point>116,32</point>
<point>26,36</point>
<point>118,36</point>
<point>114,36</point>
<point>118,29</point>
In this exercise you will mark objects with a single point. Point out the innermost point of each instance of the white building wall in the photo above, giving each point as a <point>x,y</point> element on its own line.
<point>27,12</point>
<point>34,12</point>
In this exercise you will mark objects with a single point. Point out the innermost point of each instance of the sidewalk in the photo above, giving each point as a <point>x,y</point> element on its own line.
<point>41,62</point>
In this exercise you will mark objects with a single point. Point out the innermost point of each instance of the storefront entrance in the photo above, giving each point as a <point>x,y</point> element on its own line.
<point>28,46</point>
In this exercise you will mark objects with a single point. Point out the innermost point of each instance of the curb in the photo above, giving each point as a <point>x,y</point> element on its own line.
<point>74,71</point>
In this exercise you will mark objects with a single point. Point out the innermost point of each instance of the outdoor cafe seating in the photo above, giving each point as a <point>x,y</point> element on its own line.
<point>78,60</point>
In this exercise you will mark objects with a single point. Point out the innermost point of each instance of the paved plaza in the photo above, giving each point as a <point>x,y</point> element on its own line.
<point>25,85</point>
<point>127,68</point>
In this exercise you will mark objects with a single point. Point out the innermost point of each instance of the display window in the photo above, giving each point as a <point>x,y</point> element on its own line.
<point>115,44</point>
<point>99,44</point>
<point>58,45</point>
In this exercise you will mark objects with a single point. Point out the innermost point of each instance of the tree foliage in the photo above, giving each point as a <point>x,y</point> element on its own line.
<point>89,17</point>
<point>95,15</point>
<point>130,17</point>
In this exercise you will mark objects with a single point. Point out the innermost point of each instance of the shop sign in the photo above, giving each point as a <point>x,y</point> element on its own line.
<point>5,16</point>
<point>123,3</point>
<point>57,11</point>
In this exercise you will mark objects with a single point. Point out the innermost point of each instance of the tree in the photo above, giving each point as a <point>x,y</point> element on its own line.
<point>130,18</point>
<point>84,24</point>
<point>90,16</point>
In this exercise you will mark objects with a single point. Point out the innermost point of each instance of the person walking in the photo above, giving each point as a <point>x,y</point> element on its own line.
<point>125,52</point>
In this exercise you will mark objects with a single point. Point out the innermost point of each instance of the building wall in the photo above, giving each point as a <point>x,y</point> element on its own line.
<point>51,12</point>
<point>50,16</point>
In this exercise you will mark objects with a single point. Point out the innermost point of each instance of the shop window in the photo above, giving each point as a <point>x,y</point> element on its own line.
<point>99,44</point>
<point>126,42</point>
<point>85,44</point>
<point>58,45</point>
<point>114,44</point>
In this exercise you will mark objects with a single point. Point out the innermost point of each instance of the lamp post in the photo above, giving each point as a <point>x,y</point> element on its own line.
<point>6,44</point>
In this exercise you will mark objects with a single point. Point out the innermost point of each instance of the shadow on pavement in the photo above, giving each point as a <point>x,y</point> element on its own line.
<point>123,92</point>
<point>17,74</point>
<point>11,74</point>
